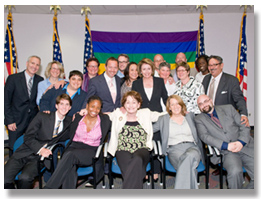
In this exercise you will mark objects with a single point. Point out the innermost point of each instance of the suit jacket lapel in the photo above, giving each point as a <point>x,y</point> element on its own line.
<point>107,91</point>
<point>220,87</point>
<point>24,84</point>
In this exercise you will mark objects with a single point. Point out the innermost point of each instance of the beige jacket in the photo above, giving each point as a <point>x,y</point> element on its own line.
<point>145,117</point>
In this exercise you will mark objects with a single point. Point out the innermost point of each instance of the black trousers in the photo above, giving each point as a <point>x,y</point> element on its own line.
<point>157,164</point>
<point>28,166</point>
<point>65,175</point>
<point>133,167</point>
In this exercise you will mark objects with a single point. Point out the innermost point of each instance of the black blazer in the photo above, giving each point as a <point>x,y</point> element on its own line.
<point>228,92</point>
<point>159,91</point>
<point>105,128</point>
<point>98,86</point>
<point>18,107</point>
<point>40,132</point>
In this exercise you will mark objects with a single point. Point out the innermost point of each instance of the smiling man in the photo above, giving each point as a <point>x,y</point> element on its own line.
<point>44,130</point>
<point>20,99</point>
<point>221,127</point>
<point>224,88</point>
<point>107,86</point>
<point>73,89</point>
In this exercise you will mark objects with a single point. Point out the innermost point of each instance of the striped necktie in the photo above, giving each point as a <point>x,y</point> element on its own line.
<point>29,86</point>
<point>56,129</point>
<point>215,120</point>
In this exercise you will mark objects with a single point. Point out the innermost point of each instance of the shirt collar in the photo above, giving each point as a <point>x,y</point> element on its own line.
<point>57,118</point>
<point>78,91</point>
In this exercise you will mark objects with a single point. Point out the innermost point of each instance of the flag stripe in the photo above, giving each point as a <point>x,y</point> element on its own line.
<point>10,55</point>
<point>143,37</point>
<point>168,57</point>
<point>144,47</point>
<point>241,71</point>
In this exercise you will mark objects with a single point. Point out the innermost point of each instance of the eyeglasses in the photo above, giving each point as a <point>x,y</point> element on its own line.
<point>214,65</point>
<point>181,70</point>
<point>202,103</point>
<point>123,62</point>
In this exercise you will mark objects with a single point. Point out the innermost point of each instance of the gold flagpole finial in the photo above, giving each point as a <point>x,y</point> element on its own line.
<point>9,8</point>
<point>201,7</point>
<point>55,8</point>
<point>245,7</point>
<point>85,10</point>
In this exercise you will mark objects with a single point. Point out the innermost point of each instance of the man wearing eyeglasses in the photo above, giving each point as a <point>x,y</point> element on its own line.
<point>221,127</point>
<point>224,88</point>
<point>123,60</point>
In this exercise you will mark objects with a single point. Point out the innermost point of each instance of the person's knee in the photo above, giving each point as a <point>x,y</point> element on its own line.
<point>235,171</point>
<point>26,177</point>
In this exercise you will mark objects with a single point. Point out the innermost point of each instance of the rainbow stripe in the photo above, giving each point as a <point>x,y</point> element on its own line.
<point>143,44</point>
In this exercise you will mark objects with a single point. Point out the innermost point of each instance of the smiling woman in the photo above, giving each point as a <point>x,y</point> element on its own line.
<point>88,132</point>
<point>131,139</point>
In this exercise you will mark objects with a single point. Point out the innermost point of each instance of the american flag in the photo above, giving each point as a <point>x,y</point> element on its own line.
<point>57,52</point>
<point>200,42</point>
<point>10,55</point>
<point>241,72</point>
<point>88,48</point>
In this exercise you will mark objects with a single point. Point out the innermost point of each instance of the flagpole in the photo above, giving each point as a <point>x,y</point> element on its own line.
<point>200,49</point>
<point>88,50</point>
<point>57,51</point>
<point>241,71</point>
<point>13,64</point>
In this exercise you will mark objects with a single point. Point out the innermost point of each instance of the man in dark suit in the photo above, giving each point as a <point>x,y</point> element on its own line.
<point>44,131</point>
<point>226,89</point>
<point>107,86</point>
<point>20,99</point>
<point>221,127</point>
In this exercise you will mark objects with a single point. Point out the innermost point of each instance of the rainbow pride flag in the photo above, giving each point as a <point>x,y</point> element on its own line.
<point>138,45</point>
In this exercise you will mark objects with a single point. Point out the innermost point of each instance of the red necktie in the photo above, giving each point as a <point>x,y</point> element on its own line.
<point>216,120</point>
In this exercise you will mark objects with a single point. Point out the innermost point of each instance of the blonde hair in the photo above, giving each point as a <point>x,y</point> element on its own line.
<point>49,67</point>
<point>180,102</point>
<point>146,61</point>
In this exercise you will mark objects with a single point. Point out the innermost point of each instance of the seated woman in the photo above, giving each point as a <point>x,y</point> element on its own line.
<point>87,133</point>
<point>180,142</point>
<point>131,139</point>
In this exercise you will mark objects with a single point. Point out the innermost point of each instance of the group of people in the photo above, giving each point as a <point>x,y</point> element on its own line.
<point>129,105</point>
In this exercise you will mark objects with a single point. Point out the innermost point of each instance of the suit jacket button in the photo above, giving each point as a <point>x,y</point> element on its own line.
<point>29,110</point>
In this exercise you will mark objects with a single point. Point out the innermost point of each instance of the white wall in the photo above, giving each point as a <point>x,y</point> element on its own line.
<point>33,35</point>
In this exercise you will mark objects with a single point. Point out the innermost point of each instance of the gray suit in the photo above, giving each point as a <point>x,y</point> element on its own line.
<point>232,131</point>
<point>184,157</point>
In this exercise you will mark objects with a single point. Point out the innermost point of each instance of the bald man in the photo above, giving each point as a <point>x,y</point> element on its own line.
<point>227,133</point>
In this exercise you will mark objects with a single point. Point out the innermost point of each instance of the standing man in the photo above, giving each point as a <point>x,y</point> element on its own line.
<point>20,99</point>
<point>223,88</point>
<point>123,60</point>
<point>158,58</point>
<point>221,127</point>
<point>44,130</point>
<point>181,57</point>
<point>107,86</point>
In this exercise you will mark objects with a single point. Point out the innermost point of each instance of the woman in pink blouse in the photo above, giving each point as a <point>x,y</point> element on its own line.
<point>87,133</point>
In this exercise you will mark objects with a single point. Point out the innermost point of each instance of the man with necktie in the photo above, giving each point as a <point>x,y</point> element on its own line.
<point>44,131</point>
<point>221,127</point>
<point>223,88</point>
<point>20,99</point>
<point>107,86</point>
